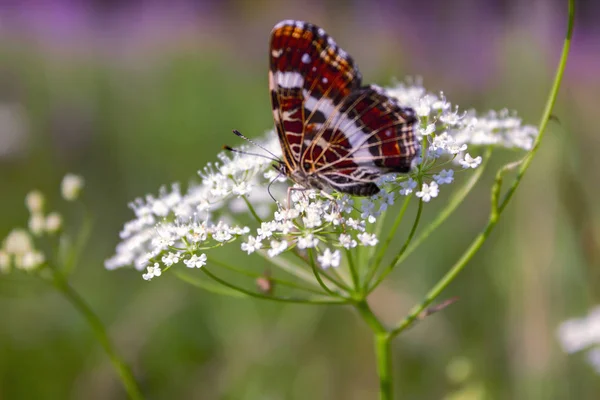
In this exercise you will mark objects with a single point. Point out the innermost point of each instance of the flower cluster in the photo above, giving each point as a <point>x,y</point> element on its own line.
<point>180,227</point>
<point>18,249</point>
<point>582,333</point>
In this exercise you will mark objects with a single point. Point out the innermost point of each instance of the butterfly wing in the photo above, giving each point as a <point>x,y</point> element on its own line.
<point>309,77</point>
<point>369,135</point>
<point>339,134</point>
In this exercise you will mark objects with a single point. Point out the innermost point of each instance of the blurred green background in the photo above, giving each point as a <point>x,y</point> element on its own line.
<point>137,94</point>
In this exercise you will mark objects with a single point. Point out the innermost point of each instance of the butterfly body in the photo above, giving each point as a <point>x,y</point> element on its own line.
<point>335,133</point>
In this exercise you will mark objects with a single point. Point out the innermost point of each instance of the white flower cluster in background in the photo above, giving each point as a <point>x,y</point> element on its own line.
<point>18,249</point>
<point>583,333</point>
<point>181,227</point>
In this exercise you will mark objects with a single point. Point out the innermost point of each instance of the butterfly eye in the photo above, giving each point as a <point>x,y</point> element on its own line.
<point>306,166</point>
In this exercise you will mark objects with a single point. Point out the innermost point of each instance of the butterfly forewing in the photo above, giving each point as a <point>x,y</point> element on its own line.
<point>308,77</point>
<point>333,132</point>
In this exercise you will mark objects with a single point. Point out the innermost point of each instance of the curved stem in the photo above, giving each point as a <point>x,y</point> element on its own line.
<point>255,275</point>
<point>317,275</point>
<point>383,248</point>
<point>272,298</point>
<point>251,209</point>
<point>454,202</point>
<point>497,207</point>
<point>97,326</point>
<point>337,282</point>
<point>394,262</point>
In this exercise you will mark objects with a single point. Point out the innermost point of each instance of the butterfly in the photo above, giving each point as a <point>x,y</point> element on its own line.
<point>335,133</point>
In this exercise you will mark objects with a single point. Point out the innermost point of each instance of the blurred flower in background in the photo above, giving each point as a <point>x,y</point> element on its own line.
<point>583,333</point>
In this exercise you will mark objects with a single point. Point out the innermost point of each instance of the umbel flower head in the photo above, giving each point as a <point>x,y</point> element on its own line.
<point>20,250</point>
<point>319,229</point>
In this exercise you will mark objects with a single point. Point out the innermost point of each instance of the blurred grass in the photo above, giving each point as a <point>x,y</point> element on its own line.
<point>130,127</point>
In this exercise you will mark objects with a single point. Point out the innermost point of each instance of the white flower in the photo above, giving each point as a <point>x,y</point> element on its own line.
<point>242,188</point>
<point>407,186</point>
<point>18,241</point>
<point>37,223</point>
<point>277,248</point>
<point>199,233</point>
<point>429,129</point>
<point>428,192</point>
<point>53,222</point>
<point>578,334</point>
<point>266,230</point>
<point>445,176</point>
<point>196,261</point>
<point>367,239</point>
<point>251,245</point>
<point>307,241</point>
<point>170,259</point>
<point>312,218</point>
<point>329,259</point>
<point>152,271</point>
<point>470,162</point>
<point>333,216</point>
<point>71,186</point>
<point>283,215</point>
<point>29,260</point>
<point>35,201</point>
<point>222,232</point>
<point>347,241</point>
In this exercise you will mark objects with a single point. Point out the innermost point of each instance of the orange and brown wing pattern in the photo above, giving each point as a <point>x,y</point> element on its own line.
<point>309,76</point>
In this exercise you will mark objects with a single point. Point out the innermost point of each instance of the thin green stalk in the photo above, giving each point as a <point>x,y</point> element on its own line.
<point>315,300</point>
<point>206,285</point>
<point>125,374</point>
<point>252,210</point>
<point>353,271</point>
<point>383,248</point>
<point>337,282</point>
<point>317,275</point>
<point>292,269</point>
<point>394,262</point>
<point>498,207</point>
<point>454,202</point>
<point>383,349</point>
<point>255,275</point>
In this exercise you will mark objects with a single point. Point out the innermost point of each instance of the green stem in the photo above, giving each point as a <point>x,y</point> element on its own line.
<point>383,354</point>
<point>314,300</point>
<point>337,282</point>
<point>383,349</point>
<point>293,269</point>
<point>454,202</point>
<point>317,274</point>
<point>394,262</point>
<point>252,210</point>
<point>97,326</point>
<point>255,275</point>
<point>388,241</point>
<point>497,207</point>
<point>353,271</point>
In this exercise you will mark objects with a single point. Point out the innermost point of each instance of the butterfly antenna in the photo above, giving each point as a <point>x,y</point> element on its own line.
<point>239,134</point>
<point>231,149</point>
